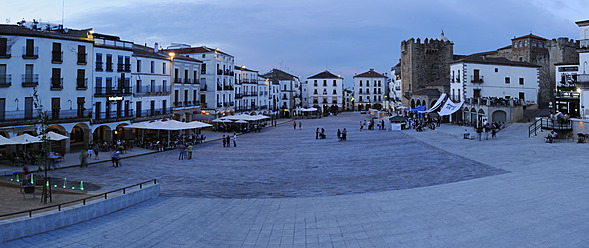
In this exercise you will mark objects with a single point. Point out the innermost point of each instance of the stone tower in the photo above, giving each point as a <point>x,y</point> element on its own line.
<point>423,63</point>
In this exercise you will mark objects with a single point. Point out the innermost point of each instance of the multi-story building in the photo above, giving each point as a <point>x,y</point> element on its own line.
<point>186,96</point>
<point>395,85</point>
<point>54,62</point>
<point>151,91</point>
<point>246,93</point>
<point>348,99</point>
<point>493,89</point>
<point>370,89</point>
<point>285,91</point>
<point>112,87</point>
<point>325,91</point>
<point>263,94</point>
<point>217,77</point>
<point>583,76</point>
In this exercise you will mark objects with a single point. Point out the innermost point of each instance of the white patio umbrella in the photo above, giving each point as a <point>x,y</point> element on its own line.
<point>7,141</point>
<point>53,136</point>
<point>240,121</point>
<point>26,139</point>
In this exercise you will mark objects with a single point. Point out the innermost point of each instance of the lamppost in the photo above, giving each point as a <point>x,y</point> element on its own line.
<point>353,109</point>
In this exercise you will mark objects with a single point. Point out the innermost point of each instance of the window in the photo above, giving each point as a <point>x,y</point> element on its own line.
<point>4,81</point>
<point>522,96</point>
<point>120,63</point>
<point>139,90</point>
<point>81,80</point>
<point>109,62</point>
<point>519,44</point>
<point>367,83</point>
<point>152,67</point>
<point>521,81</point>
<point>99,62</point>
<point>324,82</point>
<point>334,91</point>
<point>496,69</point>
<point>127,64</point>
<point>521,59</point>
<point>315,91</point>
<point>334,83</point>
<point>203,69</point>
<point>138,65</point>
<point>3,47</point>
<point>476,93</point>
<point>367,91</point>
<point>459,95</point>
<point>360,83</point>
<point>164,68</point>
<point>360,91</point>
<point>525,43</point>
<point>507,80</point>
<point>81,55</point>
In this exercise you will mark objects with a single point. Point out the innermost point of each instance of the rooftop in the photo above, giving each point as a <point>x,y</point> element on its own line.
<point>324,74</point>
<point>192,50</point>
<point>370,74</point>
<point>494,61</point>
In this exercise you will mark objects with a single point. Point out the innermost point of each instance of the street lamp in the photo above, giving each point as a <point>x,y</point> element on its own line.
<point>353,109</point>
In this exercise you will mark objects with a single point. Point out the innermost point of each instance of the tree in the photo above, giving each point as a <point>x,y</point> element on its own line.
<point>43,155</point>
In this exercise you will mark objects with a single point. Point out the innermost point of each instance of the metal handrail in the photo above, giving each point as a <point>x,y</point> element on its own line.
<point>80,200</point>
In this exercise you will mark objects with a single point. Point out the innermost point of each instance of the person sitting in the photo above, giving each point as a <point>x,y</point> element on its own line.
<point>466,134</point>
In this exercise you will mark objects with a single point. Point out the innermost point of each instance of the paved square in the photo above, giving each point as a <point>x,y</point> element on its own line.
<point>510,192</point>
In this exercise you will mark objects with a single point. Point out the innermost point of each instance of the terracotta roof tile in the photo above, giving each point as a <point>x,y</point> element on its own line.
<point>370,74</point>
<point>325,74</point>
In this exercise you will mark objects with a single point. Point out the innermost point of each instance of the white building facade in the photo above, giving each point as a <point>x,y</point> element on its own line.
<point>151,86</point>
<point>493,89</point>
<point>369,89</point>
<point>325,91</point>
<point>55,62</point>
<point>284,91</point>
<point>186,94</point>
<point>246,97</point>
<point>217,77</point>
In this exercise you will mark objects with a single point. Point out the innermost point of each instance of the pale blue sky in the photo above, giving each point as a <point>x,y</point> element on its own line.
<point>306,37</point>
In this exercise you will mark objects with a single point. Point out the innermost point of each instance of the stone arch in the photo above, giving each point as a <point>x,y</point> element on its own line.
<point>80,136</point>
<point>57,128</point>
<point>102,133</point>
<point>412,103</point>
<point>418,103</point>
<point>121,133</point>
<point>499,116</point>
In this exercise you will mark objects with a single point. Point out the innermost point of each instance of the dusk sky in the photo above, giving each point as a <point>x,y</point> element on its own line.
<point>306,37</point>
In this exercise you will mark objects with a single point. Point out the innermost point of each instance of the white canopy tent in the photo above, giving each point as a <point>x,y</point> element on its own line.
<point>436,105</point>
<point>24,139</point>
<point>7,141</point>
<point>53,136</point>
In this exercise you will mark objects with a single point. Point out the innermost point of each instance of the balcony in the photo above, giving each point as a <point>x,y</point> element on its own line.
<point>103,117</point>
<point>82,58</point>
<point>112,91</point>
<point>123,68</point>
<point>57,57</point>
<point>219,105</point>
<point>477,80</point>
<point>147,90</point>
<point>146,113</point>
<point>238,95</point>
<point>109,67</point>
<point>56,83</point>
<point>6,55</point>
<point>5,80</point>
<point>99,66</point>
<point>178,81</point>
<point>219,72</point>
<point>219,87</point>
<point>32,53</point>
<point>204,88</point>
<point>81,83</point>
<point>56,116</point>
<point>30,80</point>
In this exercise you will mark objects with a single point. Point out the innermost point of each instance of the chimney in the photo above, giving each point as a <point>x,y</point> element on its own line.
<point>156,47</point>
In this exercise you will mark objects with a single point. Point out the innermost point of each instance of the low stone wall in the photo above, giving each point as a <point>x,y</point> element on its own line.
<point>20,227</point>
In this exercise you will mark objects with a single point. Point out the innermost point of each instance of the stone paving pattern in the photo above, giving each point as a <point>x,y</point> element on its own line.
<point>535,196</point>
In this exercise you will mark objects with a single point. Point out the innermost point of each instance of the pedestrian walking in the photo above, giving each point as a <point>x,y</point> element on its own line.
<point>361,126</point>
<point>339,135</point>
<point>294,124</point>
<point>83,158</point>
<point>234,140</point>
<point>115,158</point>
<point>317,134</point>
<point>182,149</point>
<point>344,134</point>
<point>493,133</point>
<point>300,125</point>
<point>89,152</point>
<point>224,141</point>
<point>96,151</point>
<point>190,150</point>
<point>479,132</point>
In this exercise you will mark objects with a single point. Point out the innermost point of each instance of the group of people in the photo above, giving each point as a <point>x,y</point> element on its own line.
<point>294,125</point>
<point>227,140</point>
<point>342,135</point>
<point>371,123</point>
<point>485,128</point>
<point>185,151</point>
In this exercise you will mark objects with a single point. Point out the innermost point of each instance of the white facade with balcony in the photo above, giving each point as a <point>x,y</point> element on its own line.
<point>285,93</point>
<point>217,77</point>
<point>369,89</point>
<point>325,91</point>
<point>186,95</point>
<point>263,95</point>
<point>57,63</point>
<point>151,86</point>
<point>246,90</point>
<point>493,89</point>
